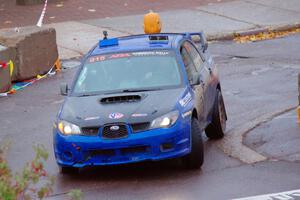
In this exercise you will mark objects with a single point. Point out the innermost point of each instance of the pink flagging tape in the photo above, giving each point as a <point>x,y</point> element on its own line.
<point>40,22</point>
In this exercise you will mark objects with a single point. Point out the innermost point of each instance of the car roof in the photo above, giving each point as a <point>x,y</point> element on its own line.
<point>140,43</point>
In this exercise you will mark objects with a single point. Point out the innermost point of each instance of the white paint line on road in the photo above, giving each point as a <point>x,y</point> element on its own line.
<point>58,101</point>
<point>288,195</point>
<point>291,67</point>
<point>232,143</point>
<point>262,70</point>
<point>286,117</point>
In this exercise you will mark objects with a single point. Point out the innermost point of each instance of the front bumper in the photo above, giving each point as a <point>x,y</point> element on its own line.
<point>156,144</point>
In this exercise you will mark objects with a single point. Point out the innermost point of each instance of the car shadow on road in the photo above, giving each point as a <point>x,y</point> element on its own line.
<point>121,176</point>
<point>166,173</point>
<point>145,170</point>
<point>160,170</point>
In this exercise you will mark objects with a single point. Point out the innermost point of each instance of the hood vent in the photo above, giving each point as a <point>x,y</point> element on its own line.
<point>120,99</point>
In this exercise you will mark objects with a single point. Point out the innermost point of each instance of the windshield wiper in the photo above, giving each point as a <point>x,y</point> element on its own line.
<point>139,90</point>
<point>86,95</point>
<point>131,90</point>
<point>135,90</point>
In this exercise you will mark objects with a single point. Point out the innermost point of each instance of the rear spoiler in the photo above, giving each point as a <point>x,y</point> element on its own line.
<point>197,37</point>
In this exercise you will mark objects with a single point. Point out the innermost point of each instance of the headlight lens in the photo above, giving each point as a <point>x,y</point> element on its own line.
<point>68,128</point>
<point>165,121</point>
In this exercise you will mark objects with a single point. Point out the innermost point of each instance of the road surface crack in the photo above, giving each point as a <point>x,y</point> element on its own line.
<point>269,6</point>
<point>227,17</point>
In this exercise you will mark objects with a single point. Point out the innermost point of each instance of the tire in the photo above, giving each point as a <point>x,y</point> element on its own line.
<point>215,130</point>
<point>68,170</point>
<point>194,159</point>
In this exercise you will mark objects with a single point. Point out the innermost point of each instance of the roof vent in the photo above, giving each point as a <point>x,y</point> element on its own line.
<point>158,38</point>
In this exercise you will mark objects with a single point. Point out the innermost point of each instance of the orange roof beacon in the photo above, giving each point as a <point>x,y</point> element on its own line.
<point>152,23</point>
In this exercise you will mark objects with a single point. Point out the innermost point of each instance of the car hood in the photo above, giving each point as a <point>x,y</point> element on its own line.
<point>90,111</point>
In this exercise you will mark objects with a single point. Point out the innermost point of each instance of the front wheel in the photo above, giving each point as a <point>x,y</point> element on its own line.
<point>194,160</point>
<point>216,129</point>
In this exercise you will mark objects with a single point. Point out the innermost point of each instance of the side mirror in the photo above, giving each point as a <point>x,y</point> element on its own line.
<point>64,89</point>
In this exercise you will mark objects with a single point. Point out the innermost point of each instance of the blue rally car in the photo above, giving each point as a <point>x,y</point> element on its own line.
<point>140,97</point>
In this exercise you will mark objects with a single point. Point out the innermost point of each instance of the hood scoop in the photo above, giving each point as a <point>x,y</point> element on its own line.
<point>120,99</point>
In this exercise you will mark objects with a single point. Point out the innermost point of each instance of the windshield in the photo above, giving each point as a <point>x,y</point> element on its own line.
<point>128,72</point>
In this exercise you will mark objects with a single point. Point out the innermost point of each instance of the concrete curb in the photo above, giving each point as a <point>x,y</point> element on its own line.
<point>232,35</point>
<point>232,144</point>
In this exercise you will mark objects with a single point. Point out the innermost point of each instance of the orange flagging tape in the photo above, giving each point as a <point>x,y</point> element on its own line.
<point>57,65</point>
<point>298,111</point>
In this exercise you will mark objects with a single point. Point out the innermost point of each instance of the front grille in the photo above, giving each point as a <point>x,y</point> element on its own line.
<point>114,131</point>
<point>140,127</point>
<point>134,150</point>
<point>120,99</point>
<point>102,152</point>
<point>90,131</point>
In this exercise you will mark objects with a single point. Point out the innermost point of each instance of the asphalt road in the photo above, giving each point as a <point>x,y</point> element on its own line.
<point>258,79</point>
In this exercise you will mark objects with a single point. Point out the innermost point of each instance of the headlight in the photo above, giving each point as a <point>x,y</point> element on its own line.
<point>68,128</point>
<point>165,121</point>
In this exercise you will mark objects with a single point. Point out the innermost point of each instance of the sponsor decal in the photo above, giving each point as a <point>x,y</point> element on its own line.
<point>188,113</point>
<point>96,59</point>
<point>91,118</point>
<point>119,55</point>
<point>288,195</point>
<point>99,58</point>
<point>115,115</point>
<point>139,115</point>
<point>150,53</point>
<point>185,100</point>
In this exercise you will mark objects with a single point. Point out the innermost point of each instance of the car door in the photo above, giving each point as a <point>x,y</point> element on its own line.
<point>211,83</point>
<point>193,75</point>
<point>205,76</point>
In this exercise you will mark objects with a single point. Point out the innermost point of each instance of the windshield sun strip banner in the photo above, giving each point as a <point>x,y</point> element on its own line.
<point>100,58</point>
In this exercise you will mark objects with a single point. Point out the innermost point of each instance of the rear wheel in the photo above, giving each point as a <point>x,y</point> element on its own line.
<point>194,160</point>
<point>68,170</point>
<point>216,129</point>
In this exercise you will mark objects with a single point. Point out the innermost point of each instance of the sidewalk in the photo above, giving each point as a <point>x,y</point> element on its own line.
<point>277,139</point>
<point>75,38</point>
<point>12,15</point>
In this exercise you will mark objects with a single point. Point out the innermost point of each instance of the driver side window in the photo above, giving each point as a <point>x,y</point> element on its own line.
<point>195,56</point>
<point>188,62</point>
